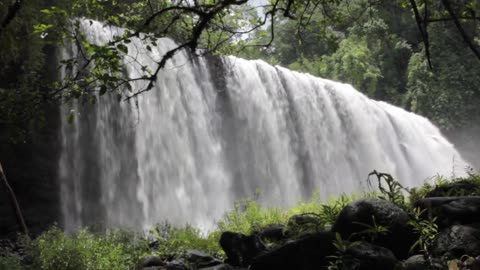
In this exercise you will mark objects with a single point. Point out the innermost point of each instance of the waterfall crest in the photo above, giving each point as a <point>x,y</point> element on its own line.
<point>215,130</point>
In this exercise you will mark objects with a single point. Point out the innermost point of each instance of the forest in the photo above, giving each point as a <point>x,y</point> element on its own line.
<point>279,174</point>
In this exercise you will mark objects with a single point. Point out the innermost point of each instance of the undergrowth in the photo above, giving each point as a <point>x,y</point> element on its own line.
<point>87,251</point>
<point>117,249</point>
<point>170,242</point>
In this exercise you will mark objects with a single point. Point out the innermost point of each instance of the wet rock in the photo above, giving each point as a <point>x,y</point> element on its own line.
<point>272,233</point>
<point>457,241</point>
<point>241,249</point>
<point>303,219</point>
<point>151,261</point>
<point>419,262</point>
<point>221,267</point>
<point>356,215</point>
<point>367,256</point>
<point>176,265</point>
<point>307,253</point>
<point>200,259</point>
<point>451,210</point>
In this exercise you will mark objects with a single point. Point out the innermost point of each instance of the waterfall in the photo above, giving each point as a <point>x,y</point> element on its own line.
<point>215,130</point>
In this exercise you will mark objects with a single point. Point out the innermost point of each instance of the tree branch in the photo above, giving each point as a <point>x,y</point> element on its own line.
<point>422,27</point>
<point>459,26</point>
<point>13,199</point>
<point>11,13</point>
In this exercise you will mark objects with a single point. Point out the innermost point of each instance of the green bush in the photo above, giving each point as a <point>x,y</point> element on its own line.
<point>10,263</point>
<point>87,251</point>
<point>248,216</point>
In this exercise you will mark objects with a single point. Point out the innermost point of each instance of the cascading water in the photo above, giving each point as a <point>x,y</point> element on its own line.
<point>214,130</point>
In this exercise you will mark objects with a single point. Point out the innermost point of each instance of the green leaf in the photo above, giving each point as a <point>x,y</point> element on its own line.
<point>122,48</point>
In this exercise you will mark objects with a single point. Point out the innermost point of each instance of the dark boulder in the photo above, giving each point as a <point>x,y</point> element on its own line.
<point>367,256</point>
<point>223,267</point>
<point>306,253</point>
<point>457,241</point>
<point>419,262</point>
<point>200,259</point>
<point>303,219</point>
<point>151,261</point>
<point>451,210</point>
<point>355,216</point>
<point>241,249</point>
<point>272,233</point>
<point>176,265</point>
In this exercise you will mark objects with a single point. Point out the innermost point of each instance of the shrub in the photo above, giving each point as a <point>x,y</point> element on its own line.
<point>87,251</point>
<point>10,263</point>
<point>248,216</point>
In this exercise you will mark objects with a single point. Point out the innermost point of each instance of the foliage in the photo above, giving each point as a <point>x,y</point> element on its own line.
<point>460,186</point>
<point>425,228</point>
<point>453,81</point>
<point>84,250</point>
<point>171,242</point>
<point>248,216</point>
<point>341,246</point>
<point>371,232</point>
<point>327,212</point>
<point>10,263</point>
<point>393,192</point>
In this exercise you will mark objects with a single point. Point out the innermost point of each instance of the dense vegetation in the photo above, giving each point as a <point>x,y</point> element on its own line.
<point>120,249</point>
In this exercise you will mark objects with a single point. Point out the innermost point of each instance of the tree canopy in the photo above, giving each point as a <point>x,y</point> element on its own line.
<point>419,54</point>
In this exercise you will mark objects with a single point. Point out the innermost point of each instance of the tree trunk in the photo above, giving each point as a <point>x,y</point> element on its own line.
<point>16,206</point>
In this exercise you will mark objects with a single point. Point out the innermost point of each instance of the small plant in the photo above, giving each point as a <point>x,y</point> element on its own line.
<point>393,192</point>
<point>342,246</point>
<point>426,229</point>
<point>371,232</point>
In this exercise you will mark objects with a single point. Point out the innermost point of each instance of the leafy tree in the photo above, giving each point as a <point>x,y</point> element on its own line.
<point>449,93</point>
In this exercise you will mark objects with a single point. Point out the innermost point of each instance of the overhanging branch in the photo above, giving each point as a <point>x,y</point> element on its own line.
<point>459,26</point>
